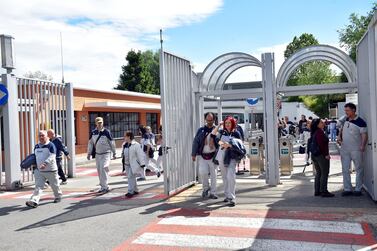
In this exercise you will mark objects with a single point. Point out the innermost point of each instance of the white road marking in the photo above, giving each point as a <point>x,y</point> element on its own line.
<point>269,223</point>
<point>234,243</point>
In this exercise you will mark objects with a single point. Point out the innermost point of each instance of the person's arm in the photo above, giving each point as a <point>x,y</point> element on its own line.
<point>195,145</point>
<point>140,155</point>
<point>364,141</point>
<point>64,149</point>
<point>111,143</point>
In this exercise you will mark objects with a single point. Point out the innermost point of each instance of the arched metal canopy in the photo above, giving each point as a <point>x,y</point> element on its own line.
<point>218,70</point>
<point>317,52</point>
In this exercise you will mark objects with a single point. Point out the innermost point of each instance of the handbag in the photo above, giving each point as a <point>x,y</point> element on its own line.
<point>94,146</point>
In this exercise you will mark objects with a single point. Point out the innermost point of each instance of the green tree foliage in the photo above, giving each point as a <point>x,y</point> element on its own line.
<point>141,73</point>
<point>351,34</point>
<point>317,72</point>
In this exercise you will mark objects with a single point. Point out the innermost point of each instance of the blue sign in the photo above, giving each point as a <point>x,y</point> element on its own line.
<point>252,101</point>
<point>3,94</point>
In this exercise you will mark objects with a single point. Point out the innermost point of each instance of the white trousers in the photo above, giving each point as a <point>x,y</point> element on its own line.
<point>229,179</point>
<point>40,180</point>
<point>103,163</point>
<point>347,157</point>
<point>131,177</point>
<point>207,167</point>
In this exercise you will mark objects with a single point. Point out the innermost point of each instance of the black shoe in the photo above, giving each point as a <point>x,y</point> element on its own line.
<point>232,203</point>
<point>327,194</point>
<point>346,193</point>
<point>357,193</point>
<point>31,204</point>
<point>226,200</point>
<point>205,193</point>
<point>212,196</point>
<point>63,182</point>
<point>135,193</point>
<point>57,200</point>
<point>317,194</point>
<point>158,174</point>
<point>141,179</point>
<point>129,195</point>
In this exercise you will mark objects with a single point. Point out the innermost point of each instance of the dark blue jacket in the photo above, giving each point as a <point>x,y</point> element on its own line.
<point>198,143</point>
<point>237,148</point>
<point>240,130</point>
<point>60,147</point>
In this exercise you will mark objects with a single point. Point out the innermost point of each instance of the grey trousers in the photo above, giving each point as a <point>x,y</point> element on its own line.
<point>103,163</point>
<point>131,177</point>
<point>207,167</point>
<point>40,180</point>
<point>322,168</point>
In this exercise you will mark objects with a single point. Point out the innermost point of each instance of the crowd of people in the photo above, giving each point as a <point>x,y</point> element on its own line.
<point>213,147</point>
<point>136,158</point>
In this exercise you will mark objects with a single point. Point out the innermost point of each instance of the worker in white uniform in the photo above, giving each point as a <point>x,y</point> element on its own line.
<point>353,138</point>
<point>101,145</point>
<point>133,161</point>
<point>45,155</point>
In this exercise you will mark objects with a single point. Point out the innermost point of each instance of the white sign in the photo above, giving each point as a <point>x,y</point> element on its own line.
<point>352,98</point>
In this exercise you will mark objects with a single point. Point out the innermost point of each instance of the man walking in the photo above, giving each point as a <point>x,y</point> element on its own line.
<point>60,147</point>
<point>100,146</point>
<point>45,154</point>
<point>204,146</point>
<point>353,139</point>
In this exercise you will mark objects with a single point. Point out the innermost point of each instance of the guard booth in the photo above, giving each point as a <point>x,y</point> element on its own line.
<point>361,79</point>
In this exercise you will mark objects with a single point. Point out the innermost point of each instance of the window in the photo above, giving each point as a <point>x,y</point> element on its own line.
<point>117,122</point>
<point>152,121</point>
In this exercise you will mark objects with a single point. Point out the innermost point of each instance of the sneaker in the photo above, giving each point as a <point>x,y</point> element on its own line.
<point>226,200</point>
<point>346,193</point>
<point>57,200</point>
<point>213,196</point>
<point>205,193</point>
<point>31,204</point>
<point>158,174</point>
<point>103,191</point>
<point>141,179</point>
<point>232,203</point>
<point>136,193</point>
<point>357,193</point>
<point>63,183</point>
<point>327,194</point>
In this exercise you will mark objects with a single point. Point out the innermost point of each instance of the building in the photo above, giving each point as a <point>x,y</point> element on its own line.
<point>121,110</point>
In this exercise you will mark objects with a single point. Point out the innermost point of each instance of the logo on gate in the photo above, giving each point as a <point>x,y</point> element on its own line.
<point>3,94</point>
<point>284,151</point>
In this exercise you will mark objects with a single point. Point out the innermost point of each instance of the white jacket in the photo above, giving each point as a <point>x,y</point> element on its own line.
<point>136,157</point>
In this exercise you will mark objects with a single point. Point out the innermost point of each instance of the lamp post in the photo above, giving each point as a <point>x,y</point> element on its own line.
<point>10,117</point>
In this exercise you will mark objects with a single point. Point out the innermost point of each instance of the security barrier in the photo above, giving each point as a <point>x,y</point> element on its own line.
<point>286,156</point>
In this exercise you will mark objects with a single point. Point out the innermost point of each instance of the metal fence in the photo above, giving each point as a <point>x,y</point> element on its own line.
<point>41,106</point>
<point>177,116</point>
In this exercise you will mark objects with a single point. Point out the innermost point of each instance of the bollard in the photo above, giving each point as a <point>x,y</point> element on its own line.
<point>286,160</point>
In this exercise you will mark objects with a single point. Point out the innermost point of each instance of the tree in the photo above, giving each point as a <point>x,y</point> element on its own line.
<point>351,34</point>
<point>141,73</point>
<point>38,75</point>
<point>317,72</point>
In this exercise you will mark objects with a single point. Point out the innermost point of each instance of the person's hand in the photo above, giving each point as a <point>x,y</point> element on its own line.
<point>362,148</point>
<point>43,166</point>
<point>193,158</point>
<point>226,145</point>
<point>88,157</point>
<point>328,157</point>
<point>68,157</point>
<point>114,156</point>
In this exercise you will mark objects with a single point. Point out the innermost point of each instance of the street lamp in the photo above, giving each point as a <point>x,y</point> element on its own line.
<point>6,42</point>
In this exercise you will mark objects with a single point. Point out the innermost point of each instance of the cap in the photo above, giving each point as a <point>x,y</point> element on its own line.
<point>99,120</point>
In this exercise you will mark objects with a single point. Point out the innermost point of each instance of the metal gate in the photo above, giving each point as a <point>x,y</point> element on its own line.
<point>42,105</point>
<point>177,104</point>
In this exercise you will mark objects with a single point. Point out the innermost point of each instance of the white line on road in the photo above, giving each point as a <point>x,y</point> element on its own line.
<point>234,243</point>
<point>269,223</point>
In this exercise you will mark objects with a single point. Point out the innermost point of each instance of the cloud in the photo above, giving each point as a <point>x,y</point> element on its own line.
<point>96,34</point>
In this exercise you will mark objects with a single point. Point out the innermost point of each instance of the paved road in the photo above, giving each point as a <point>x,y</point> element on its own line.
<point>286,217</point>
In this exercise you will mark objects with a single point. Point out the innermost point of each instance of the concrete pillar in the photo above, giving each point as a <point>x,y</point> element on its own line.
<point>70,123</point>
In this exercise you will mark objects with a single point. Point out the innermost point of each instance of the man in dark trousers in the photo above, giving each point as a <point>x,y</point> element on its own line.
<point>60,147</point>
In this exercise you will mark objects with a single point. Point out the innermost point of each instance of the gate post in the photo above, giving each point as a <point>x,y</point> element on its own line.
<point>11,134</point>
<point>70,123</point>
<point>270,125</point>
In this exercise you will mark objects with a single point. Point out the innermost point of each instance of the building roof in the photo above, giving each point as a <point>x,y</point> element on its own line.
<point>127,93</point>
<point>127,105</point>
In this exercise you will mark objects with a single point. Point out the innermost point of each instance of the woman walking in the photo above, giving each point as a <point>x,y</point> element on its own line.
<point>226,163</point>
<point>319,149</point>
<point>133,161</point>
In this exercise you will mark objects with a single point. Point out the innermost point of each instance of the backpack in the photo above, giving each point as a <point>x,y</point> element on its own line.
<point>313,146</point>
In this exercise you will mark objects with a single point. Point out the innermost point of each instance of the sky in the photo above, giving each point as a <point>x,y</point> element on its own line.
<point>97,34</point>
